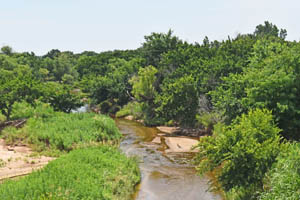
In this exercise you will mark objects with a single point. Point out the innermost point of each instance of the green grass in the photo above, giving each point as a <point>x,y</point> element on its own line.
<point>90,173</point>
<point>54,132</point>
<point>284,178</point>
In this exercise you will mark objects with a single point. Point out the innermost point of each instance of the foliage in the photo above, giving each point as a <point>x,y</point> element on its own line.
<point>132,108</point>
<point>156,45</point>
<point>178,101</point>
<point>209,119</point>
<point>114,86</point>
<point>89,173</point>
<point>16,86</point>
<point>272,82</point>
<point>269,29</point>
<point>7,50</point>
<point>61,132</point>
<point>241,153</point>
<point>284,178</point>
<point>143,84</point>
<point>61,97</point>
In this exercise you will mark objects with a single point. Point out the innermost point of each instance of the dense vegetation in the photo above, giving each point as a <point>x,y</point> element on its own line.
<point>244,90</point>
<point>90,170</point>
<point>88,173</point>
<point>56,132</point>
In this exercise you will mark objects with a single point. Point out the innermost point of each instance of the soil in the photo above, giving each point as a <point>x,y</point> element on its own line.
<point>18,161</point>
<point>180,144</point>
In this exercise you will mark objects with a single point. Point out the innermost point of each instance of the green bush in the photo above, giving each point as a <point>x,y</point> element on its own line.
<point>284,178</point>
<point>22,110</point>
<point>2,118</point>
<point>91,173</point>
<point>241,153</point>
<point>132,108</point>
<point>64,132</point>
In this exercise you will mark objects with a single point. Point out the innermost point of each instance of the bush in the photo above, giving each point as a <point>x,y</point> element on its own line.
<point>2,118</point>
<point>241,153</point>
<point>105,106</point>
<point>132,108</point>
<point>284,178</point>
<point>178,101</point>
<point>91,173</point>
<point>64,132</point>
<point>22,110</point>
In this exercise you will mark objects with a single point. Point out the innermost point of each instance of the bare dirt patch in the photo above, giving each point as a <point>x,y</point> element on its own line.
<point>17,161</point>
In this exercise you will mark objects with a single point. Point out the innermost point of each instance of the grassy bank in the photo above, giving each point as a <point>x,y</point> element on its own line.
<point>89,164</point>
<point>89,173</point>
<point>53,133</point>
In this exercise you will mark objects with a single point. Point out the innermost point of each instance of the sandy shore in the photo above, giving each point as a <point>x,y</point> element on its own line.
<point>17,161</point>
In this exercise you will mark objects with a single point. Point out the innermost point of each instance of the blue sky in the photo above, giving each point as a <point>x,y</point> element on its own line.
<point>100,25</point>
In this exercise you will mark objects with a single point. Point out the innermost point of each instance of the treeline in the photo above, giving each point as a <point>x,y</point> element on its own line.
<point>243,90</point>
<point>171,81</point>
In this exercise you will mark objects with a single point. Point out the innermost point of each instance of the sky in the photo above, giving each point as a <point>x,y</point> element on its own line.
<point>102,25</point>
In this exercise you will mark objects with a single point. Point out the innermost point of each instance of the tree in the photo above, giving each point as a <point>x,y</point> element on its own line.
<point>61,97</point>
<point>157,44</point>
<point>269,29</point>
<point>7,50</point>
<point>178,101</point>
<point>16,86</point>
<point>143,84</point>
<point>144,91</point>
<point>113,86</point>
<point>241,153</point>
<point>272,82</point>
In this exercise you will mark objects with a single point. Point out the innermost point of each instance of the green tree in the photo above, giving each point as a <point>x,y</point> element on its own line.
<point>61,97</point>
<point>272,82</point>
<point>143,84</point>
<point>16,86</point>
<point>178,101</point>
<point>269,29</point>
<point>7,50</point>
<point>241,153</point>
<point>157,44</point>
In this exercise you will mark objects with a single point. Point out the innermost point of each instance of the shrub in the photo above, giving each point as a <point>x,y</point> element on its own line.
<point>241,153</point>
<point>23,110</point>
<point>91,173</point>
<point>284,178</point>
<point>132,108</point>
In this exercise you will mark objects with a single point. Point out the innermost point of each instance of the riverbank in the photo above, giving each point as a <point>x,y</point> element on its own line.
<point>18,161</point>
<point>85,162</point>
<point>176,139</point>
<point>165,175</point>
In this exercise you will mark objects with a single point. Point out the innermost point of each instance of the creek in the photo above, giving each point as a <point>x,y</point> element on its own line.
<point>165,176</point>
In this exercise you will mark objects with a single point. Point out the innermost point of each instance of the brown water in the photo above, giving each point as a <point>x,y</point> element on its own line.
<point>164,176</point>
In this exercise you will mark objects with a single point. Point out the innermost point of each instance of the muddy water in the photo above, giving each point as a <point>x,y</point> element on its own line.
<point>164,176</point>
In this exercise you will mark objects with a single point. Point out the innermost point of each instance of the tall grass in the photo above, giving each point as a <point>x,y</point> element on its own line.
<point>101,173</point>
<point>54,132</point>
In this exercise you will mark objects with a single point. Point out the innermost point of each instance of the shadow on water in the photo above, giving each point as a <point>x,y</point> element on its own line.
<point>164,176</point>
